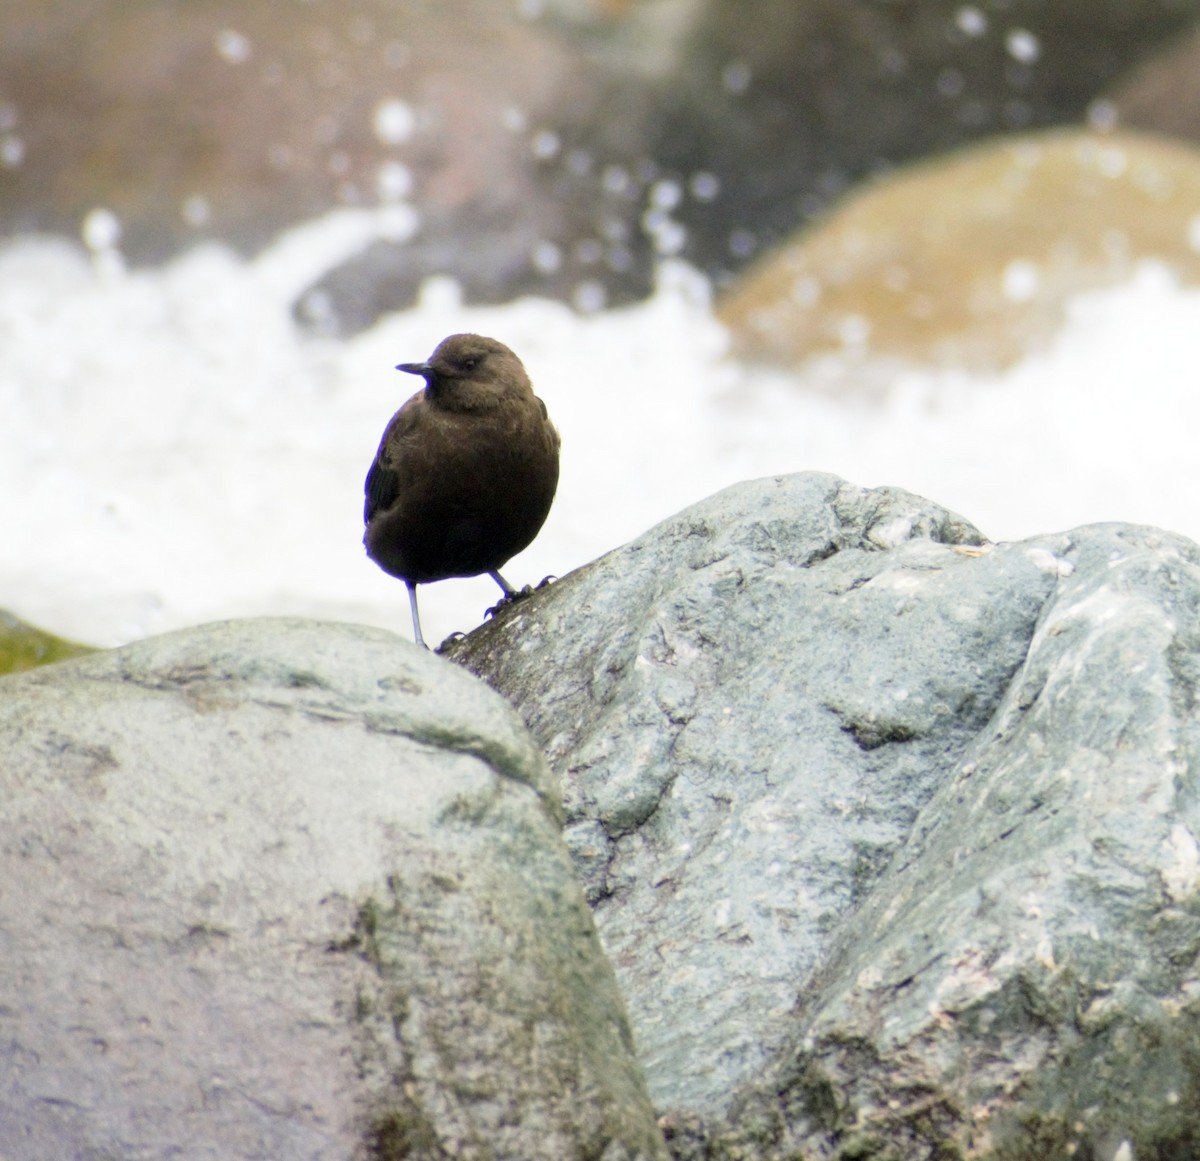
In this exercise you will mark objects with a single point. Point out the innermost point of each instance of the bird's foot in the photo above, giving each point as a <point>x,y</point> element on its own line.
<point>510,598</point>
<point>514,595</point>
<point>449,643</point>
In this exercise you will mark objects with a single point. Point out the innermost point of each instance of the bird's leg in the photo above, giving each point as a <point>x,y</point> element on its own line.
<point>412,601</point>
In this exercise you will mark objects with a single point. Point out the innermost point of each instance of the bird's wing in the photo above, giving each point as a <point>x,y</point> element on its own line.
<point>556,438</point>
<point>382,485</point>
<point>381,488</point>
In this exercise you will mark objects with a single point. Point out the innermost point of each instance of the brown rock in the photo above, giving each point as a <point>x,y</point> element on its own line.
<point>968,261</point>
<point>790,103</point>
<point>226,120</point>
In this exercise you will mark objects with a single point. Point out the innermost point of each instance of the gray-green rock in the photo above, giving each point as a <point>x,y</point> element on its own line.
<point>890,833</point>
<point>278,889</point>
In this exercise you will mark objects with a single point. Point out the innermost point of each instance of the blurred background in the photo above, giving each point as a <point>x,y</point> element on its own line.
<point>950,247</point>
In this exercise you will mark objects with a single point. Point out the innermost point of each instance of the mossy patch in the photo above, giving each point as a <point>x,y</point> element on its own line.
<point>24,647</point>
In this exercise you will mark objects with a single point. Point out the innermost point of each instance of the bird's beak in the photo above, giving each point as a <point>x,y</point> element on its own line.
<point>422,369</point>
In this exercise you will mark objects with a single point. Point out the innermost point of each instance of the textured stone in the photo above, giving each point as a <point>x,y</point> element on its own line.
<point>284,889</point>
<point>890,833</point>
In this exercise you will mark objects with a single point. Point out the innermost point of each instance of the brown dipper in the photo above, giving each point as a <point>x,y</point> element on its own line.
<point>465,472</point>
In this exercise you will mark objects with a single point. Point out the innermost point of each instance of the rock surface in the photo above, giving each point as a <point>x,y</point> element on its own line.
<point>281,889</point>
<point>970,260</point>
<point>890,833</point>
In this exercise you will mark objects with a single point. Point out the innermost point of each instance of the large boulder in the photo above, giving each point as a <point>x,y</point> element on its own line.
<point>890,833</point>
<point>283,889</point>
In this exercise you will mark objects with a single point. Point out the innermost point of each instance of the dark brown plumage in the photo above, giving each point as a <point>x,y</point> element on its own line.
<point>466,470</point>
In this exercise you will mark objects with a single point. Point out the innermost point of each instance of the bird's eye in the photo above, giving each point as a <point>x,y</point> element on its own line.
<point>470,363</point>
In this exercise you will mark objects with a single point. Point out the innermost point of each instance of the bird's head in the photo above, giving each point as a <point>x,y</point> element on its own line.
<point>470,371</point>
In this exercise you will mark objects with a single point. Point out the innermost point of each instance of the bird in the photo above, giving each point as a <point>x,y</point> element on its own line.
<point>465,473</point>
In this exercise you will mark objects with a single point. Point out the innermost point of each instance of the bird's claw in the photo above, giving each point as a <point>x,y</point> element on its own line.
<point>509,599</point>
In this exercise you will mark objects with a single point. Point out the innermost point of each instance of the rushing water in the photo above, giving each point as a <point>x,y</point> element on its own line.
<point>174,449</point>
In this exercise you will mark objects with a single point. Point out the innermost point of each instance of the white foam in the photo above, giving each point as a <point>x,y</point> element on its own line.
<point>173,449</point>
